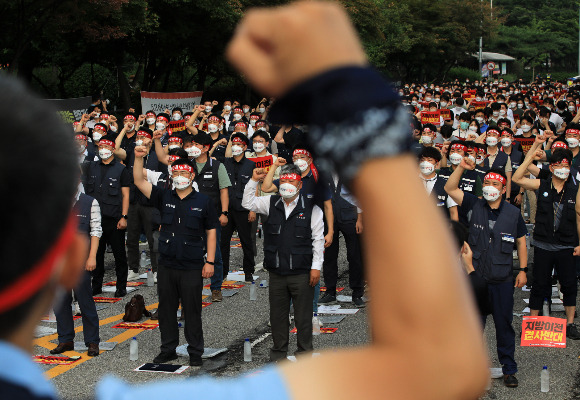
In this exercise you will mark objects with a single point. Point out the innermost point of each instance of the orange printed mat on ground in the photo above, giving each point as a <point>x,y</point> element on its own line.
<point>204,304</point>
<point>338,289</point>
<point>135,325</point>
<point>129,284</point>
<point>322,330</point>
<point>106,299</point>
<point>228,285</point>
<point>46,318</point>
<point>54,360</point>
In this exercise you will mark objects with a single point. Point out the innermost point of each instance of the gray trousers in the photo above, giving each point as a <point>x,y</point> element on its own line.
<point>282,290</point>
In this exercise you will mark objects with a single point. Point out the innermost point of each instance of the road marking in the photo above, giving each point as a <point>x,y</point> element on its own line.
<point>261,339</point>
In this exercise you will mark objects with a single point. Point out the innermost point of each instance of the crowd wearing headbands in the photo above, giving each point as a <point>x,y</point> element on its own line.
<point>492,153</point>
<point>188,182</point>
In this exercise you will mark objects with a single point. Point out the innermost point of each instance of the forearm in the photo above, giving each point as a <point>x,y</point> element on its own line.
<point>125,206</point>
<point>452,185</point>
<point>522,251</point>
<point>251,202</point>
<point>509,184</point>
<point>329,216</point>
<point>211,244</point>
<point>94,246</point>
<point>162,156</point>
<point>268,183</point>
<point>119,139</point>
<point>225,198</point>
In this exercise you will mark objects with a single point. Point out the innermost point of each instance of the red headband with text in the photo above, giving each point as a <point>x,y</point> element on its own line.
<point>293,177</point>
<point>162,117</point>
<point>496,177</point>
<point>80,137</point>
<point>175,139</point>
<point>107,142</point>
<point>238,140</point>
<point>240,125</point>
<point>143,133</point>
<point>563,161</point>
<point>573,131</point>
<point>492,131</point>
<point>459,146</point>
<point>131,117</point>
<point>182,167</point>
<point>560,145</point>
<point>302,151</point>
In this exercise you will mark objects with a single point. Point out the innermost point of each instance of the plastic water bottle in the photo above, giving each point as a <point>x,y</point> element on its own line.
<point>546,308</point>
<point>545,380</point>
<point>264,283</point>
<point>315,325</point>
<point>253,293</point>
<point>247,351</point>
<point>143,260</point>
<point>150,281</point>
<point>134,350</point>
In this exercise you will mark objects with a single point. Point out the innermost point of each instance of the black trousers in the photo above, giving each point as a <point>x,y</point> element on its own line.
<point>174,285</point>
<point>139,218</point>
<point>116,238</point>
<point>565,265</point>
<point>282,290</point>
<point>353,255</point>
<point>238,220</point>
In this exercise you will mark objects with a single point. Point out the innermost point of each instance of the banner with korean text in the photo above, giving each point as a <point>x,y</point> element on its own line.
<point>71,109</point>
<point>158,102</point>
<point>543,332</point>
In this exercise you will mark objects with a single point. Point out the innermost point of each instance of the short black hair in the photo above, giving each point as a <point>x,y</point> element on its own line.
<point>446,131</point>
<point>32,221</point>
<point>241,136</point>
<point>178,152</point>
<point>429,152</point>
<point>202,138</point>
<point>177,109</point>
<point>559,154</point>
<point>261,134</point>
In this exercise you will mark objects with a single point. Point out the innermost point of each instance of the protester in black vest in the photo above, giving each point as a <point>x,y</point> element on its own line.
<point>88,213</point>
<point>187,219</point>
<point>429,159</point>
<point>85,154</point>
<point>239,171</point>
<point>495,227</point>
<point>348,221</point>
<point>511,148</point>
<point>293,254</point>
<point>108,182</point>
<point>556,231</point>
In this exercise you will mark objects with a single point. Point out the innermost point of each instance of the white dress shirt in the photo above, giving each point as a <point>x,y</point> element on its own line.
<point>96,228</point>
<point>262,205</point>
<point>430,184</point>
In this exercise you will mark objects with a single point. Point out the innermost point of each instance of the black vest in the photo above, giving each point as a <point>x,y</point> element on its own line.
<point>516,158</point>
<point>344,212</point>
<point>441,195</point>
<point>208,181</point>
<point>82,209</point>
<point>492,249</point>
<point>288,242</point>
<point>466,183</point>
<point>106,189</point>
<point>150,162</point>
<point>239,180</point>
<point>500,161</point>
<point>566,234</point>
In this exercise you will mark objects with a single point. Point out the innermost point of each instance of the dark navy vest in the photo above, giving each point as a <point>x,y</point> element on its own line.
<point>82,209</point>
<point>239,180</point>
<point>208,181</point>
<point>344,212</point>
<point>106,189</point>
<point>566,234</point>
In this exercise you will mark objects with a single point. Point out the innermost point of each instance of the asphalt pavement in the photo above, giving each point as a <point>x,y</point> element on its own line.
<point>229,323</point>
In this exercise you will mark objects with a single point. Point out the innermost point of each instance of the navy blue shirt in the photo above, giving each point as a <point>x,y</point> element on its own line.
<point>469,201</point>
<point>183,227</point>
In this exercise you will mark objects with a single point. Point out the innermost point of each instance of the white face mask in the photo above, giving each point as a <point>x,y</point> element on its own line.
<point>150,121</point>
<point>520,105</point>
<point>426,168</point>
<point>473,128</point>
<point>82,148</point>
<point>105,154</point>
<point>491,141</point>
<point>139,142</point>
<point>173,146</point>
<point>131,128</point>
<point>572,142</point>
<point>160,126</point>
<point>193,151</point>
<point>237,150</point>
<point>252,122</point>
<point>258,147</point>
<point>227,108</point>
<point>571,108</point>
<point>478,99</point>
<point>526,128</point>
<point>426,139</point>
<point>512,105</point>
<point>479,119</point>
<point>480,159</point>
<point>472,158</point>
<point>246,110</point>
<point>491,193</point>
<point>455,158</point>
<point>207,108</point>
<point>414,103</point>
<point>496,114</point>
<point>112,128</point>
<point>301,164</point>
<point>262,110</point>
<point>506,142</point>
<point>212,128</point>
<point>97,136</point>
<point>502,112</point>
<point>443,104</point>
<point>562,173</point>
<point>288,190</point>
<point>237,117</point>
<point>181,182</point>
<point>176,117</point>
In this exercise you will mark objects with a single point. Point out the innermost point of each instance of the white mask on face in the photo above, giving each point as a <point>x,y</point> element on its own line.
<point>139,142</point>
<point>131,128</point>
<point>512,105</point>
<point>112,128</point>
<point>496,114</point>
<point>491,193</point>
<point>262,110</point>
<point>520,105</point>
<point>252,122</point>
<point>181,182</point>
<point>193,152</point>
<point>473,128</point>
<point>212,128</point>
<point>246,110</point>
<point>176,117</point>
<point>414,103</point>
<point>173,146</point>
<point>227,108</point>
<point>159,126</point>
<point>479,119</point>
<point>426,168</point>
<point>571,108</point>
<point>207,108</point>
<point>506,142</point>
<point>426,139</point>
<point>237,117</point>
<point>82,147</point>
<point>526,128</point>
<point>473,159</point>
<point>97,136</point>
<point>480,159</point>
<point>572,142</point>
<point>478,99</point>
<point>443,104</point>
<point>288,190</point>
<point>237,150</point>
<point>105,154</point>
<point>258,147</point>
<point>455,158</point>
<point>301,164</point>
<point>502,113</point>
<point>562,173</point>
<point>150,121</point>
<point>491,141</point>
